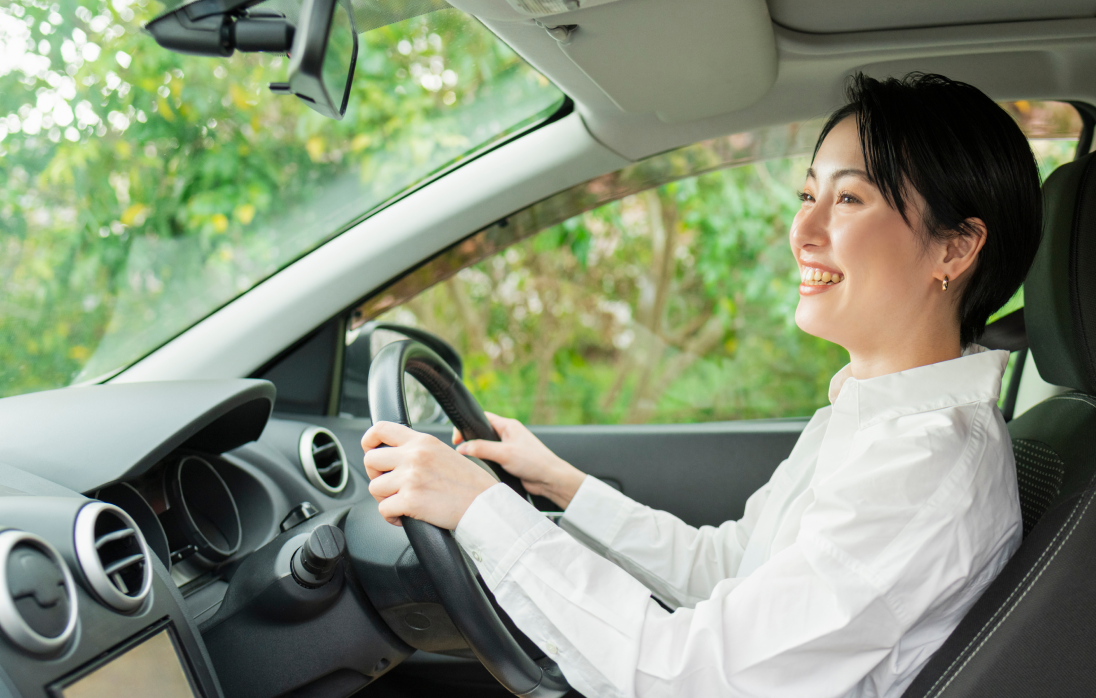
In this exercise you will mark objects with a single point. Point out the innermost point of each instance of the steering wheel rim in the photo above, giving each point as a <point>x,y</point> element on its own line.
<point>438,552</point>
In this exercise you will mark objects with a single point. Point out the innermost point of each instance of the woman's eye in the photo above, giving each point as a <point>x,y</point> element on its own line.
<point>805,197</point>
<point>847,198</point>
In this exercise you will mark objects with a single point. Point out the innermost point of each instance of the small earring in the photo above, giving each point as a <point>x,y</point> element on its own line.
<point>944,284</point>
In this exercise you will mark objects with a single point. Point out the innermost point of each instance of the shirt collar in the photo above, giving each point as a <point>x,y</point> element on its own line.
<point>974,376</point>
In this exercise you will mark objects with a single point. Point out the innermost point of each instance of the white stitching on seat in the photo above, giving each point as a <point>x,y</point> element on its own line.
<point>1033,445</point>
<point>1007,600</point>
<point>1036,490</point>
<point>1042,483</point>
<point>1029,587</point>
<point>1050,462</point>
<point>1027,445</point>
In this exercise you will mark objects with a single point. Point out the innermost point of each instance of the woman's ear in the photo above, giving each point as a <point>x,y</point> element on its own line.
<point>960,252</point>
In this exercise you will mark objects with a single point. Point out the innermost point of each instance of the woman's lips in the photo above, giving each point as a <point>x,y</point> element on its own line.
<point>814,280</point>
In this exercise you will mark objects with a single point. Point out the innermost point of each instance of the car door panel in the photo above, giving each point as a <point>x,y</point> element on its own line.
<point>701,473</point>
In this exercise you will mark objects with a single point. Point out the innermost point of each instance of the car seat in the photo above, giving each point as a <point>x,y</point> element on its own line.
<point>1033,631</point>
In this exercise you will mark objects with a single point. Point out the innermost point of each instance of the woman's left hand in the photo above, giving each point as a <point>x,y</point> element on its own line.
<point>419,476</point>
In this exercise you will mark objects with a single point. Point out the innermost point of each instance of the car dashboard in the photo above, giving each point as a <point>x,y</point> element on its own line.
<point>148,538</point>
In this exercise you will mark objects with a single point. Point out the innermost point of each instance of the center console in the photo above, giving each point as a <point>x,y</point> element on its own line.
<point>87,611</point>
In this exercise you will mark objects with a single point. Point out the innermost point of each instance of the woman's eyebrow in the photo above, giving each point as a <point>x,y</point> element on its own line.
<point>838,174</point>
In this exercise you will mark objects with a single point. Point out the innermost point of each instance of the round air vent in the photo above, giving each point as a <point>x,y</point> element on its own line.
<point>113,556</point>
<point>324,460</point>
<point>37,593</point>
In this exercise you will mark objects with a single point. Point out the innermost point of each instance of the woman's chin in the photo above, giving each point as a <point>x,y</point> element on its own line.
<point>809,319</point>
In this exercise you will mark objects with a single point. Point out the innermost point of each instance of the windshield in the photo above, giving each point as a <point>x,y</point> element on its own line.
<point>143,189</point>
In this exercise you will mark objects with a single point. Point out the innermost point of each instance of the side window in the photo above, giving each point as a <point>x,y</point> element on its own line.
<point>672,304</point>
<point>664,293</point>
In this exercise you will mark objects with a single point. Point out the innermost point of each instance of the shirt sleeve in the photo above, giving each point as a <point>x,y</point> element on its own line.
<point>679,563</point>
<point>802,625</point>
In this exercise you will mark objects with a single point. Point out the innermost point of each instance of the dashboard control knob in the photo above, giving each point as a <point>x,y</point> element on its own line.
<point>315,562</point>
<point>298,515</point>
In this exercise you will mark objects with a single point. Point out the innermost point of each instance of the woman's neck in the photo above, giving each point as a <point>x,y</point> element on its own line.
<point>911,351</point>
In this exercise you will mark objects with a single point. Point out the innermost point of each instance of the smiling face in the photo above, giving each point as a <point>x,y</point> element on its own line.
<point>868,280</point>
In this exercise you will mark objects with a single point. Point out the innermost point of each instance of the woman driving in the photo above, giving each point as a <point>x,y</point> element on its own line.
<point>920,216</point>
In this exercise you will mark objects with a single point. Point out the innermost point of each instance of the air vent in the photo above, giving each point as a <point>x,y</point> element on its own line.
<point>113,556</point>
<point>37,593</point>
<point>324,460</point>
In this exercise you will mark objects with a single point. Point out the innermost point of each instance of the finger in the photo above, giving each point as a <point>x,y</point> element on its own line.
<point>393,508</point>
<point>484,450</point>
<point>500,424</point>
<point>383,487</point>
<point>457,437</point>
<point>379,461</point>
<point>387,433</point>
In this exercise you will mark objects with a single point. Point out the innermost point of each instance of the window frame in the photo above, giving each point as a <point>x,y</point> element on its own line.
<point>768,143</point>
<point>650,173</point>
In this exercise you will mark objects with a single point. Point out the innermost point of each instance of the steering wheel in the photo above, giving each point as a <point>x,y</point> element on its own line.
<point>461,595</point>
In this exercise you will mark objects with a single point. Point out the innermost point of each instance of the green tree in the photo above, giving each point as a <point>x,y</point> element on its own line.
<point>143,188</point>
<point>672,305</point>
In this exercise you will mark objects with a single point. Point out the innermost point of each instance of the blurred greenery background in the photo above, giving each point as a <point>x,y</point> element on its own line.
<point>143,189</point>
<point>672,305</point>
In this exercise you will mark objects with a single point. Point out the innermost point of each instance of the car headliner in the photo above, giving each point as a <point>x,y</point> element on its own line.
<point>656,64</point>
<point>1047,55</point>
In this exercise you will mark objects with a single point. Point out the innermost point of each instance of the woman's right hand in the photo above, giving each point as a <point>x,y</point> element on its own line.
<point>523,455</point>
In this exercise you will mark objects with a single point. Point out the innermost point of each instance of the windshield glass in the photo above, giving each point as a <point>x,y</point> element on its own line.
<point>143,189</point>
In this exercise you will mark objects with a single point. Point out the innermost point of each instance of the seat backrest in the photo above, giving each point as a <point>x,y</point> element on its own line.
<point>1033,631</point>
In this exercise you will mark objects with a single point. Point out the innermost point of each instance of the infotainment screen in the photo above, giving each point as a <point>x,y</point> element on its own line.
<point>153,667</point>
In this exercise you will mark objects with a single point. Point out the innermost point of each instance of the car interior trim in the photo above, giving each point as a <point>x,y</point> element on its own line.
<point>11,620</point>
<point>308,461</point>
<point>88,546</point>
<point>198,494</point>
<point>119,431</point>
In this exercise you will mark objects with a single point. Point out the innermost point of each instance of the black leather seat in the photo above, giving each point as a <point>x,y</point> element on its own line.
<point>1033,632</point>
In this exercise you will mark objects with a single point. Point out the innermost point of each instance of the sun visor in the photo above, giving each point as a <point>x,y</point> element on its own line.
<point>546,8</point>
<point>680,59</point>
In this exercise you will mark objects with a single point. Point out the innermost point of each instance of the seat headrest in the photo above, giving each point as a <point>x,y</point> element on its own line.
<point>1060,290</point>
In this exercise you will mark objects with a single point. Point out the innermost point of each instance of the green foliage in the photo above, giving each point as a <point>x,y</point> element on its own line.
<point>144,189</point>
<point>674,305</point>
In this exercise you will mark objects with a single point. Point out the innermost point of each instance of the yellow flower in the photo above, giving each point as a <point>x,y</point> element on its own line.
<point>245,213</point>
<point>164,110</point>
<point>135,215</point>
<point>220,222</point>
<point>360,142</point>
<point>315,148</point>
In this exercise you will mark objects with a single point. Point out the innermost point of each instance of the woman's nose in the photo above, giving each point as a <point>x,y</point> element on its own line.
<point>810,227</point>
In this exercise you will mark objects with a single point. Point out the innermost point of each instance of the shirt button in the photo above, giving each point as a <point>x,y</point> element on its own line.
<point>552,649</point>
<point>476,556</point>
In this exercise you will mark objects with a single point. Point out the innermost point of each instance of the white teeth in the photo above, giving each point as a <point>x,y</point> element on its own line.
<point>817,277</point>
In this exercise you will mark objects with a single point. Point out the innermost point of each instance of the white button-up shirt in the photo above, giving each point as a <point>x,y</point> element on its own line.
<point>894,511</point>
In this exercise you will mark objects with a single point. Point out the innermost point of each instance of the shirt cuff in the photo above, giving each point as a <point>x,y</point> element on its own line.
<point>597,511</point>
<point>498,527</point>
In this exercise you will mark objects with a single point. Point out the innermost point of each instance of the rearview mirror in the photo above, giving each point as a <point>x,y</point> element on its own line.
<point>322,60</point>
<point>322,46</point>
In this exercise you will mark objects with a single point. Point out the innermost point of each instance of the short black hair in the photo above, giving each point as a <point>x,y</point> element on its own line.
<point>967,158</point>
